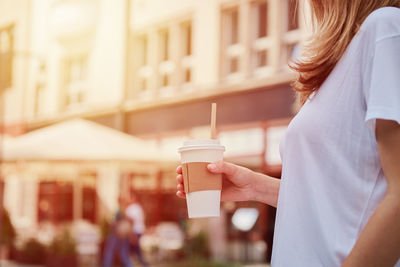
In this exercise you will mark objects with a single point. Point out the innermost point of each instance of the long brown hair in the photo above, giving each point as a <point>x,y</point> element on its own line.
<point>335,24</point>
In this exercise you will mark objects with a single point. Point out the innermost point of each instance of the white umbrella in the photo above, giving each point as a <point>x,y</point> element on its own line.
<point>79,139</point>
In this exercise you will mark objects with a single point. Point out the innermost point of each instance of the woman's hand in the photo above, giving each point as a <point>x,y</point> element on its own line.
<point>240,184</point>
<point>237,182</point>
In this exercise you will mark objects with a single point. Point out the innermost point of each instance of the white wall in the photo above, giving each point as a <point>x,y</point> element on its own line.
<point>16,12</point>
<point>107,63</point>
<point>41,48</point>
<point>206,35</point>
<point>20,199</point>
<point>151,12</point>
<point>34,41</point>
<point>108,180</point>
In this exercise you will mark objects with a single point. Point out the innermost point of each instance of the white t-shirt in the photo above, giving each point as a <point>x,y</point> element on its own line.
<point>135,212</point>
<point>332,179</point>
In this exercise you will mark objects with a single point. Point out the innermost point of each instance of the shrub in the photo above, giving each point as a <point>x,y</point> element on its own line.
<point>197,246</point>
<point>8,232</point>
<point>32,252</point>
<point>62,250</point>
<point>63,244</point>
<point>105,226</point>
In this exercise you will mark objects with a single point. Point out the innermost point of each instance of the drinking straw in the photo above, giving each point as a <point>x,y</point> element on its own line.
<point>213,121</point>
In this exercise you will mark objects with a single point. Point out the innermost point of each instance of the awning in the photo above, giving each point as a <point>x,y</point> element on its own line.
<point>80,139</point>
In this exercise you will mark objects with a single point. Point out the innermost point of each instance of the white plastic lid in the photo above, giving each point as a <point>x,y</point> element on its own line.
<point>201,144</point>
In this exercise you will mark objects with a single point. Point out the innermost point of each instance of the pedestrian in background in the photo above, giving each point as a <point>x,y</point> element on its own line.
<point>118,239</point>
<point>134,212</point>
<point>338,200</point>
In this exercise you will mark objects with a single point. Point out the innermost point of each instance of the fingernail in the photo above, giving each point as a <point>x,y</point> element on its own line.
<point>212,167</point>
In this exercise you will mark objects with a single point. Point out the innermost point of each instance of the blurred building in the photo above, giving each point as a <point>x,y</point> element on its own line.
<point>150,68</point>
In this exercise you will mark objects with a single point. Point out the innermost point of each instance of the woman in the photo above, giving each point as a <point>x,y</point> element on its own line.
<point>339,197</point>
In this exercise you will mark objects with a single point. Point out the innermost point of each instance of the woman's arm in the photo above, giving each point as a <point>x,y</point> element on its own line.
<point>240,184</point>
<point>379,242</point>
<point>266,190</point>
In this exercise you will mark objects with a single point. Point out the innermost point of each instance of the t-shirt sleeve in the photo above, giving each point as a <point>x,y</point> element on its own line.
<point>383,92</point>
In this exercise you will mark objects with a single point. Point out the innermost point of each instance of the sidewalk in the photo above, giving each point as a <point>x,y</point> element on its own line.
<point>257,265</point>
<point>5,263</point>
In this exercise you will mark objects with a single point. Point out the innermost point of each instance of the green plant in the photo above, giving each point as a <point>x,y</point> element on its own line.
<point>154,248</point>
<point>33,252</point>
<point>197,246</point>
<point>8,232</point>
<point>63,244</point>
<point>105,226</point>
<point>62,250</point>
<point>202,262</point>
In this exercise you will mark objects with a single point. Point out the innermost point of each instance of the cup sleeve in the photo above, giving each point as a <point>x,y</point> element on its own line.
<point>383,92</point>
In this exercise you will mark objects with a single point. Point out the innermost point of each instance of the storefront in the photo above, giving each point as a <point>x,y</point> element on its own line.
<point>250,126</point>
<point>250,123</point>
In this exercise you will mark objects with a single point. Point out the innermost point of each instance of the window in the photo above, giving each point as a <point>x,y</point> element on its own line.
<point>186,54</point>
<point>293,15</point>
<point>38,98</point>
<point>160,67</point>
<point>233,28</point>
<point>291,36</point>
<point>232,48</point>
<point>141,55</point>
<point>186,29</point>
<point>166,66</point>
<point>261,58</point>
<point>143,181</point>
<point>156,203</point>
<point>55,202</point>
<point>6,56</point>
<point>89,204</point>
<point>39,88</point>
<point>164,45</point>
<point>75,80</point>
<point>144,186</point>
<point>261,16</point>
<point>290,52</point>
<point>89,197</point>
<point>142,45</point>
<point>233,65</point>
<point>261,43</point>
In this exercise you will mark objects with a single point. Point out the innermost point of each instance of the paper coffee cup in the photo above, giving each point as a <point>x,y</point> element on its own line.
<point>202,188</point>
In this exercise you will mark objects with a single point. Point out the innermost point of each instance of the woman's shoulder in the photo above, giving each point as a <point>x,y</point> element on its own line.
<point>382,23</point>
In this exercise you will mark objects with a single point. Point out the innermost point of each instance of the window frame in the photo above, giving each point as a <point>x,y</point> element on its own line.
<point>6,82</point>
<point>186,59</point>
<point>231,51</point>
<point>261,44</point>
<point>275,44</point>
<point>165,65</point>
<point>143,71</point>
<point>75,88</point>
<point>290,37</point>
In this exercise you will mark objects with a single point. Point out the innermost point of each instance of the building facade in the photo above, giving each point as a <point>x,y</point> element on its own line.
<point>151,68</point>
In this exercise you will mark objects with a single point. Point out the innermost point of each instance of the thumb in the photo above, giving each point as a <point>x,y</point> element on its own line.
<point>222,167</point>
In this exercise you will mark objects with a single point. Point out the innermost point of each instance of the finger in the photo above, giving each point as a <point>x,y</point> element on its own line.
<point>179,169</point>
<point>222,167</point>
<point>180,187</point>
<point>179,178</point>
<point>181,194</point>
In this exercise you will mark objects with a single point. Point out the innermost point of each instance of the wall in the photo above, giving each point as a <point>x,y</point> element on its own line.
<point>35,44</point>
<point>18,13</point>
